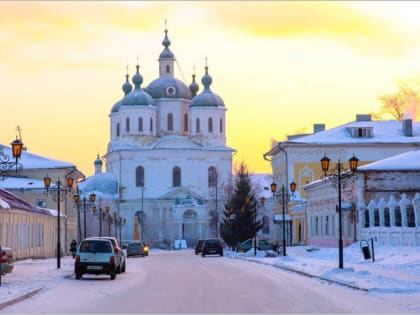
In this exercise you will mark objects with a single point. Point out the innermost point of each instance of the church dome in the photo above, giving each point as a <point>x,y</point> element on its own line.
<point>166,53</point>
<point>207,97</point>
<point>137,96</point>
<point>102,184</point>
<point>168,87</point>
<point>126,87</point>
<point>194,87</point>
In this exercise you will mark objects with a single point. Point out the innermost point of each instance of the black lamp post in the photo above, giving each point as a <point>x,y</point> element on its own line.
<point>285,198</point>
<point>335,179</point>
<point>6,165</point>
<point>100,218</point>
<point>84,202</point>
<point>58,194</point>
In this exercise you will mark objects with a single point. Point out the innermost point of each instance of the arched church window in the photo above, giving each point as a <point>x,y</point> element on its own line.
<point>386,217</point>
<point>366,218</point>
<point>140,176</point>
<point>151,124</point>
<point>376,216</point>
<point>170,122</point>
<point>212,172</point>
<point>176,176</point>
<point>118,129</point>
<point>140,124</point>
<point>210,124</point>
<point>197,125</point>
<point>127,124</point>
<point>221,125</point>
<point>185,122</point>
<point>410,216</point>
<point>397,216</point>
<point>168,69</point>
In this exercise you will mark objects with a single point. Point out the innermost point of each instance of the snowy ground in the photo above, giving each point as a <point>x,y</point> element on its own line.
<point>395,274</point>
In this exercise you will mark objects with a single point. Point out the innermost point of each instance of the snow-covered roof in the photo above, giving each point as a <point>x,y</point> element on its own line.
<point>262,182</point>
<point>390,131</point>
<point>408,161</point>
<point>33,161</point>
<point>103,185</point>
<point>21,183</point>
<point>10,201</point>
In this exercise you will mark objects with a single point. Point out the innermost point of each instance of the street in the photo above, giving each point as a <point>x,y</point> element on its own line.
<point>183,283</point>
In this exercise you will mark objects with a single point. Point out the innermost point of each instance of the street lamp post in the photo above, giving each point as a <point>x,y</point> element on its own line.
<point>285,200</point>
<point>100,218</point>
<point>56,195</point>
<point>84,202</point>
<point>6,165</point>
<point>335,179</point>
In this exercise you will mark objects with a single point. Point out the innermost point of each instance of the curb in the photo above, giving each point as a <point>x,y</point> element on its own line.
<point>303,273</point>
<point>20,298</point>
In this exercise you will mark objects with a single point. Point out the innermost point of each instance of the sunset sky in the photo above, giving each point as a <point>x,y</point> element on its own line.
<point>279,66</point>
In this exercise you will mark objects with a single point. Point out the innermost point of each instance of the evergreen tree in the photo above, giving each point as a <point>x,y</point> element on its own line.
<point>239,217</point>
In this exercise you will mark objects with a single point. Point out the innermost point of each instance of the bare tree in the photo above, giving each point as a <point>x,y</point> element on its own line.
<point>405,101</point>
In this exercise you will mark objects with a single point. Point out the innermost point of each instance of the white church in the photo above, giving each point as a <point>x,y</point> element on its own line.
<point>167,164</point>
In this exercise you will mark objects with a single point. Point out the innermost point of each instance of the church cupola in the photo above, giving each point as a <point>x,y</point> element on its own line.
<point>98,165</point>
<point>166,58</point>
<point>194,87</point>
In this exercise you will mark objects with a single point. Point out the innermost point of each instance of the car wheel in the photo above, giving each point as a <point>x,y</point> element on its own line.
<point>123,268</point>
<point>113,276</point>
<point>78,275</point>
<point>221,254</point>
<point>204,255</point>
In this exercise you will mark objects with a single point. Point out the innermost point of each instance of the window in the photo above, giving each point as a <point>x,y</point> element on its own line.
<point>221,125</point>
<point>176,176</point>
<point>168,69</point>
<point>197,125</point>
<point>366,218</point>
<point>140,176</point>
<point>326,225</point>
<point>118,129</point>
<point>170,122</point>
<point>386,217</point>
<point>376,216</point>
<point>410,216</point>
<point>185,122</point>
<point>127,124</point>
<point>41,203</point>
<point>140,124</point>
<point>210,124</point>
<point>361,132</point>
<point>151,124</point>
<point>212,176</point>
<point>397,216</point>
<point>266,225</point>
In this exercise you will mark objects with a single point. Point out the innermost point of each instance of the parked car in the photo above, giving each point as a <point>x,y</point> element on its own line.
<point>118,251</point>
<point>6,260</point>
<point>198,245</point>
<point>135,248</point>
<point>96,256</point>
<point>262,244</point>
<point>212,246</point>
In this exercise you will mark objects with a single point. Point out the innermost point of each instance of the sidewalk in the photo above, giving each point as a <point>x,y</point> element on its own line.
<point>31,276</point>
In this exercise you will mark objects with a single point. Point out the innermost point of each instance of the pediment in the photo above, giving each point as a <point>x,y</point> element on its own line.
<point>180,193</point>
<point>175,142</point>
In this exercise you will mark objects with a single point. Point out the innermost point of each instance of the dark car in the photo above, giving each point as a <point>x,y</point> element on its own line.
<point>135,248</point>
<point>198,246</point>
<point>212,246</point>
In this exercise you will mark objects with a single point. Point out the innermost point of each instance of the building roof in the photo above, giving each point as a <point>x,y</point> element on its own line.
<point>10,201</point>
<point>408,161</point>
<point>390,131</point>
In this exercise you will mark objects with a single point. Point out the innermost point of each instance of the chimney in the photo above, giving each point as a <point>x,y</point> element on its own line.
<point>407,127</point>
<point>319,127</point>
<point>363,117</point>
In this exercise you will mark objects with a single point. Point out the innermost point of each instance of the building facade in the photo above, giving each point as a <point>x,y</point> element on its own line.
<point>298,158</point>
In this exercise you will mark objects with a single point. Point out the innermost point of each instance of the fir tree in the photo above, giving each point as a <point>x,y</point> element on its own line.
<point>239,217</point>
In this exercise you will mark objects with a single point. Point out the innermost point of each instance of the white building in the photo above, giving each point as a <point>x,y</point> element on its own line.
<point>168,156</point>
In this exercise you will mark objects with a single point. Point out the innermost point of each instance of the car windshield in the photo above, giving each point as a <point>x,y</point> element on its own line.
<point>212,241</point>
<point>95,246</point>
<point>134,245</point>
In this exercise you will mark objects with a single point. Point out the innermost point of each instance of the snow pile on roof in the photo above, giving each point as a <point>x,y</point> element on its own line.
<point>103,185</point>
<point>408,161</point>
